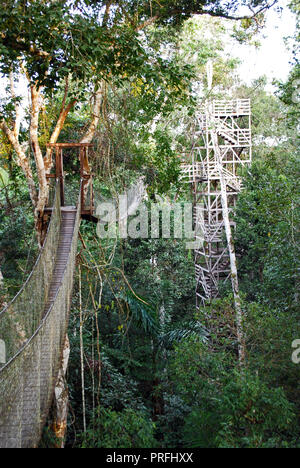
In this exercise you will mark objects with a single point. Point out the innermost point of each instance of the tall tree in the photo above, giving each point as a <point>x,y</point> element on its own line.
<point>89,41</point>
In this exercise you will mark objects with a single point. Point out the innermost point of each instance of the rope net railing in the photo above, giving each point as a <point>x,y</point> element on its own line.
<point>20,319</point>
<point>33,334</point>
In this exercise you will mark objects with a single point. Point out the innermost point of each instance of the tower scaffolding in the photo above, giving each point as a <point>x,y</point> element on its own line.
<point>222,134</point>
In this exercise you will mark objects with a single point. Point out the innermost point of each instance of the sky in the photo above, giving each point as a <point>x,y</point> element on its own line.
<point>272,58</point>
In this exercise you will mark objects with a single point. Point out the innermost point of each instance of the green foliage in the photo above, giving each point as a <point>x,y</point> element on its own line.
<point>190,329</point>
<point>55,39</point>
<point>143,313</point>
<point>203,39</point>
<point>228,408</point>
<point>162,164</point>
<point>289,94</point>
<point>267,233</point>
<point>4,178</point>
<point>244,413</point>
<point>147,354</point>
<point>269,337</point>
<point>124,429</point>
<point>170,282</point>
<point>58,39</point>
<point>18,248</point>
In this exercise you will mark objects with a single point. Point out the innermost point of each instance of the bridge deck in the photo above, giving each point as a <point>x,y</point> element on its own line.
<point>63,250</point>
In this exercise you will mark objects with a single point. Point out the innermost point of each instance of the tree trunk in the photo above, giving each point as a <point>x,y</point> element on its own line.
<point>43,163</point>
<point>22,160</point>
<point>1,279</point>
<point>36,101</point>
<point>61,398</point>
<point>230,244</point>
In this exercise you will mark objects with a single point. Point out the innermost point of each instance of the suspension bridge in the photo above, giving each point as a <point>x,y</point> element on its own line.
<point>33,326</point>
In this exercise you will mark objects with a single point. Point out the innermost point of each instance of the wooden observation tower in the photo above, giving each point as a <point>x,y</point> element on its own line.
<point>222,145</point>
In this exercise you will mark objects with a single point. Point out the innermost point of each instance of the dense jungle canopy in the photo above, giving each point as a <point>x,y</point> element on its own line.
<point>147,369</point>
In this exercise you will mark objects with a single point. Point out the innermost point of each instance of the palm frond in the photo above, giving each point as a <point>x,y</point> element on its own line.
<point>143,313</point>
<point>192,328</point>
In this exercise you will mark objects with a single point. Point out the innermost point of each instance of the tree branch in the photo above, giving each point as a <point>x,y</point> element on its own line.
<point>147,22</point>
<point>158,15</point>
<point>23,47</point>
<point>17,121</point>
<point>106,14</point>
<point>40,166</point>
<point>56,132</point>
<point>237,18</point>
<point>89,134</point>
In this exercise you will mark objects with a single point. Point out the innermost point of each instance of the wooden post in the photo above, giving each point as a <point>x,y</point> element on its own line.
<point>85,174</point>
<point>59,172</point>
<point>62,181</point>
<point>81,157</point>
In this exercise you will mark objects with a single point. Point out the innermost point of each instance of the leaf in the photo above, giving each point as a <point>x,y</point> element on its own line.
<point>143,313</point>
<point>4,178</point>
<point>192,329</point>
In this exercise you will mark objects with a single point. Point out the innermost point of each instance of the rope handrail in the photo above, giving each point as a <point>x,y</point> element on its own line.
<point>38,275</point>
<point>4,310</point>
<point>28,377</point>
